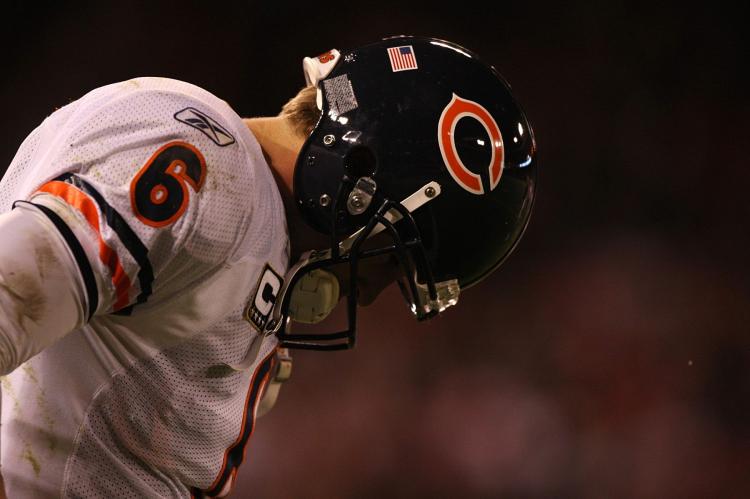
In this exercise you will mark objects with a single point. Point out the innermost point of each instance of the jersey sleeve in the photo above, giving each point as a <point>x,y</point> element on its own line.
<point>115,261</point>
<point>42,293</point>
<point>153,185</point>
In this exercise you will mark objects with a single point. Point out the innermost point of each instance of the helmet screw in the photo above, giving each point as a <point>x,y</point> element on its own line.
<point>325,200</point>
<point>329,140</point>
<point>430,192</point>
<point>361,196</point>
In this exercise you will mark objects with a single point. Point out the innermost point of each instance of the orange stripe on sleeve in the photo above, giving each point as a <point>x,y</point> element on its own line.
<point>87,207</point>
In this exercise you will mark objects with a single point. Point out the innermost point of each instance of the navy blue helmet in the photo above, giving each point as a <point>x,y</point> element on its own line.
<point>421,140</point>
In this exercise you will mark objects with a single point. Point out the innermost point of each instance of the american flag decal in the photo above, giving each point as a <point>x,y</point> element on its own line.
<point>402,58</point>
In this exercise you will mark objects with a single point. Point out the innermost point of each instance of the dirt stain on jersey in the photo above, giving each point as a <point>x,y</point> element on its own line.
<point>219,371</point>
<point>28,455</point>
<point>27,294</point>
<point>220,180</point>
<point>10,392</point>
<point>44,410</point>
<point>96,173</point>
<point>29,370</point>
<point>45,260</point>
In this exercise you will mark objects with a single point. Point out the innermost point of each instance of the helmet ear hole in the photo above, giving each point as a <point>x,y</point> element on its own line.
<point>360,162</point>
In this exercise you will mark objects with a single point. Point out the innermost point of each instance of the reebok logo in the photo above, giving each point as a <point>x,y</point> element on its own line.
<point>209,126</point>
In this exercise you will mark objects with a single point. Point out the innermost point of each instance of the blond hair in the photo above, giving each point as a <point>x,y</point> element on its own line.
<point>302,111</point>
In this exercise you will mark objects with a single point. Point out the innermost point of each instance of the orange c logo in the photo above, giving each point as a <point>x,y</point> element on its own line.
<point>456,109</point>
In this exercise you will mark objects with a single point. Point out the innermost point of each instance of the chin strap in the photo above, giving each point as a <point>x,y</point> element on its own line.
<point>427,193</point>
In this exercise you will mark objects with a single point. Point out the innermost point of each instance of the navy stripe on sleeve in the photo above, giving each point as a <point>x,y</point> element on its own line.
<point>129,239</point>
<point>87,273</point>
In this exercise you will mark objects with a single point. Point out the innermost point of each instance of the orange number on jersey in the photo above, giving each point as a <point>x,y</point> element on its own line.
<point>158,193</point>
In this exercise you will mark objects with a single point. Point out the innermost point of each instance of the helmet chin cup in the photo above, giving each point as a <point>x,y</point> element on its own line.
<point>314,297</point>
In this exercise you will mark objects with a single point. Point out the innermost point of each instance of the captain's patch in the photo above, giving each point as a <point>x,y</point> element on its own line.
<point>260,308</point>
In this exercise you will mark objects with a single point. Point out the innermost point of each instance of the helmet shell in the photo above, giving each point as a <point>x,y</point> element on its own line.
<point>448,117</point>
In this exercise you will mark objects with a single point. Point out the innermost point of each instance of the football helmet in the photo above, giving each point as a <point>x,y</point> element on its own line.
<point>421,140</point>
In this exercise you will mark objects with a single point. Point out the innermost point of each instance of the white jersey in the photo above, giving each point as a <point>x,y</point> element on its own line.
<point>174,221</point>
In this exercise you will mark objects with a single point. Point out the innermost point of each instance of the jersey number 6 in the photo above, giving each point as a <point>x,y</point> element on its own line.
<point>158,193</point>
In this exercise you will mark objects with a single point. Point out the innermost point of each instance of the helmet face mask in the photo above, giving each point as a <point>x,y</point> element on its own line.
<point>422,141</point>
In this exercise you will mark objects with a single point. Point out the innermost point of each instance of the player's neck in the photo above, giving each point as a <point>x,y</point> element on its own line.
<point>281,146</point>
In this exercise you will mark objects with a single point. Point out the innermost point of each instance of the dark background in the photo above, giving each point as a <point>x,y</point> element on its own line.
<point>607,358</point>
